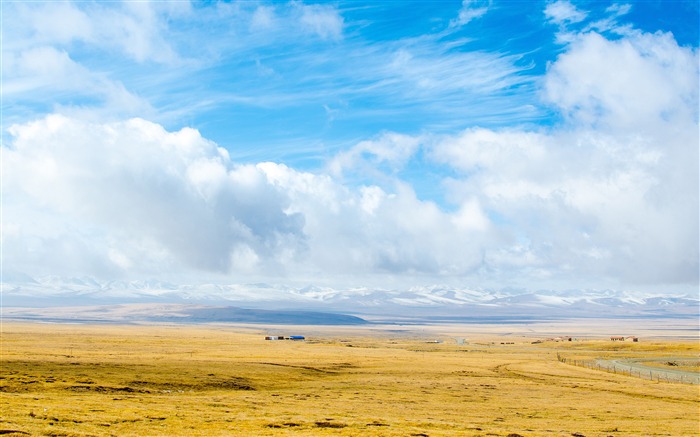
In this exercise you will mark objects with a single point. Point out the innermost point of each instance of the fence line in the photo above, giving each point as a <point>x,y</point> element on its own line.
<point>609,366</point>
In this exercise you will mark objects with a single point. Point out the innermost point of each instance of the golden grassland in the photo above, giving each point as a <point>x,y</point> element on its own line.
<point>100,380</point>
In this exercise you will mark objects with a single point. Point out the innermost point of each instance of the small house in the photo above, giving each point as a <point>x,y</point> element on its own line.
<point>617,338</point>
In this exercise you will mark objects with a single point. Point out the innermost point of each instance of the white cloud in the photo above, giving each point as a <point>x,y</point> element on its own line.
<point>41,74</point>
<point>613,193</point>
<point>59,22</point>
<point>643,80</point>
<point>322,20</point>
<point>424,72</point>
<point>137,29</point>
<point>470,10</point>
<point>153,191</point>
<point>610,196</point>
<point>619,10</point>
<point>478,148</point>
<point>41,68</point>
<point>370,232</point>
<point>263,18</point>
<point>390,151</point>
<point>562,12</point>
<point>143,59</point>
<point>50,51</point>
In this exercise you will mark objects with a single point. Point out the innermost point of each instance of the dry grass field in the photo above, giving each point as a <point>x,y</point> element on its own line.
<point>108,380</point>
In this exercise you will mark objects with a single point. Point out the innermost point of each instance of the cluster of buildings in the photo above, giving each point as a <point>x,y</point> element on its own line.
<point>281,337</point>
<point>612,338</point>
<point>554,339</point>
<point>621,338</point>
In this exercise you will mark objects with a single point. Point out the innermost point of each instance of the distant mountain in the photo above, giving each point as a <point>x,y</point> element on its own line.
<point>429,301</point>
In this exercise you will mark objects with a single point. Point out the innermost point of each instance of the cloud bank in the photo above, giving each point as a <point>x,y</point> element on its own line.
<point>130,195</point>
<point>605,196</point>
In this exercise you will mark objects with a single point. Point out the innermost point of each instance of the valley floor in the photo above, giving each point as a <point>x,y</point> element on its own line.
<point>146,380</point>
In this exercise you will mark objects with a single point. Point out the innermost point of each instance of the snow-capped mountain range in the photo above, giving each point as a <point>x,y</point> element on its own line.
<point>24,291</point>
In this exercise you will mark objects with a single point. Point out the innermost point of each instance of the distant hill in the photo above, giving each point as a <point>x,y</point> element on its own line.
<point>178,313</point>
<point>240,315</point>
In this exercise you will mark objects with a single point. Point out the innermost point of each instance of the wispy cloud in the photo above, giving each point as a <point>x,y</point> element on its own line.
<point>563,12</point>
<point>471,10</point>
<point>277,56</point>
<point>135,29</point>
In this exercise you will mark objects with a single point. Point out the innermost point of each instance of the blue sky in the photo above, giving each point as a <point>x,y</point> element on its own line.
<point>388,143</point>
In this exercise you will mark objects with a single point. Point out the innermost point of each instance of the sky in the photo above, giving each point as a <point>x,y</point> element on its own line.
<point>531,144</point>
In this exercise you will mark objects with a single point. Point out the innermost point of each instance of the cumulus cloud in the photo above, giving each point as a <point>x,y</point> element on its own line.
<point>369,231</point>
<point>128,197</point>
<point>641,81</point>
<point>132,191</point>
<point>614,191</point>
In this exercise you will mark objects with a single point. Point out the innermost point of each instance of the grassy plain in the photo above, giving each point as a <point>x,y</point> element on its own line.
<point>108,380</point>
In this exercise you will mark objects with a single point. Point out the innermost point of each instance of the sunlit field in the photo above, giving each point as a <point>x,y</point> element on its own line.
<point>95,380</point>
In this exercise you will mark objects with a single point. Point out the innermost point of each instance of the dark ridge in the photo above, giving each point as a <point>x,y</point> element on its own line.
<point>241,315</point>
